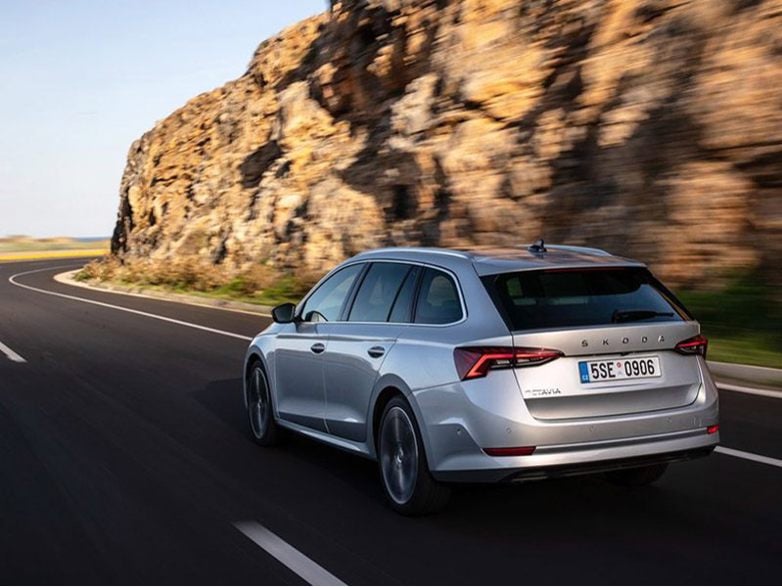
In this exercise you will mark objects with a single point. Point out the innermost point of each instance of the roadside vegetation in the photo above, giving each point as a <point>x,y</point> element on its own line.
<point>743,321</point>
<point>260,284</point>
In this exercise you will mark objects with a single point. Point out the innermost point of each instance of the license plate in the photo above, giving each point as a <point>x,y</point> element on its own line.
<point>619,369</point>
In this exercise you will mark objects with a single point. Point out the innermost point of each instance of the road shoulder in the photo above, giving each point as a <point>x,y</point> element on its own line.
<point>736,377</point>
<point>68,278</point>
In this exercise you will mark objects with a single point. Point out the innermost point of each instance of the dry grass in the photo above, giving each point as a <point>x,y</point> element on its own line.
<point>26,248</point>
<point>43,255</point>
<point>258,283</point>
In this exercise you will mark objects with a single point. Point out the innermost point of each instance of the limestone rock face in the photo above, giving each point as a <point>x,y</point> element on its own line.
<point>651,128</point>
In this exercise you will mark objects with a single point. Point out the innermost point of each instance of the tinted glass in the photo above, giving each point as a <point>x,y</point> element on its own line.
<point>378,292</point>
<point>555,299</point>
<point>403,305</point>
<point>438,299</point>
<point>328,299</point>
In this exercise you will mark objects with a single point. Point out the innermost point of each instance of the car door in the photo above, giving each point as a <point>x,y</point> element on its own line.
<point>358,346</point>
<point>300,348</point>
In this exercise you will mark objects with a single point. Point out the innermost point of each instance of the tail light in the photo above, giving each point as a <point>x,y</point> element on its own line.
<point>697,345</point>
<point>713,429</point>
<point>473,362</point>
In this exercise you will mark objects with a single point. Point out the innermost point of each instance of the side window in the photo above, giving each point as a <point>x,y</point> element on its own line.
<point>327,301</point>
<point>404,299</point>
<point>378,292</point>
<point>438,299</point>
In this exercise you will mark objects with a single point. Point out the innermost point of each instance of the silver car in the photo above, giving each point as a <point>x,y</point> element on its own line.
<point>487,365</point>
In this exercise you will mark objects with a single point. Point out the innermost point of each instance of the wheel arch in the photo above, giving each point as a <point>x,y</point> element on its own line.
<point>254,356</point>
<point>381,401</point>
<point>387,388</point>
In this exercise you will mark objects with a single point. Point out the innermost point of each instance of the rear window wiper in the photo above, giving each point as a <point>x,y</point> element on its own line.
<point>634,315</point>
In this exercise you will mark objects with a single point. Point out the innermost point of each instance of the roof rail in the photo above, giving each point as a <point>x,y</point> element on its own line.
<point>584,250</point>
<point>429,250</point>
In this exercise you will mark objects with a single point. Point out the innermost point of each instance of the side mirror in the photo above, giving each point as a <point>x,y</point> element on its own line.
<point>284,313</point>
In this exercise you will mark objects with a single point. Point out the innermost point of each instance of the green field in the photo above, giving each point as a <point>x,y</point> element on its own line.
<point>743,322</point>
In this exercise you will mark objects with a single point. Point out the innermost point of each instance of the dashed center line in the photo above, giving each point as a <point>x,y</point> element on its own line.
<point>8,352</point>
<point>288,555</point>
<point>299,563</point>
<point>15,357</point>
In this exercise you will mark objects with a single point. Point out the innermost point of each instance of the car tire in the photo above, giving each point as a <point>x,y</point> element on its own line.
<point>263,428</point>
<point>407,483</point>
<point>637,477</point>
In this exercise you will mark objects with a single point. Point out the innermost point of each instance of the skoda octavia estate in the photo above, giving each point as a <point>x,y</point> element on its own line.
<point>487,365</point>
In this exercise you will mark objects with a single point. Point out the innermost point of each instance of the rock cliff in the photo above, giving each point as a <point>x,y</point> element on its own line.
<point>652,128</point>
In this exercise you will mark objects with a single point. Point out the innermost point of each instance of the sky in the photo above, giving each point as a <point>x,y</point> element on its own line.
<point>80,80</point>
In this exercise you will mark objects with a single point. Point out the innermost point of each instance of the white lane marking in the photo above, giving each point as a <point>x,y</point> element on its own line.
<point>8,352</point>
<point>65,275</point>
<point>769,372</point>
<point>750,390</point>
<point>302,565</point>
<point>720,449</point>
<point>748,456</point>
<point>725,386</point>
<point>13,281</point>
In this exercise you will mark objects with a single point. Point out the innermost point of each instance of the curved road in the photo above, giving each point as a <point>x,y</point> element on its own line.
<point>125,458</point>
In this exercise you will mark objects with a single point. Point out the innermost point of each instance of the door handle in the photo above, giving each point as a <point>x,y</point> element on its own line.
<point>318,348</point>
<point>376,351</point>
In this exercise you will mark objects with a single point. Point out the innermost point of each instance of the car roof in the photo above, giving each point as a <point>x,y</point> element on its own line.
<point>492,260</point>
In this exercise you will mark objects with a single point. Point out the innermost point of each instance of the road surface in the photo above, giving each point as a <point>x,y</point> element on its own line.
<point>126,458</point>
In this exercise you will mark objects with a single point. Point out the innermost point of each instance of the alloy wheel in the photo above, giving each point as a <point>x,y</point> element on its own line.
<point>258,402</point>
<point>398,455</point>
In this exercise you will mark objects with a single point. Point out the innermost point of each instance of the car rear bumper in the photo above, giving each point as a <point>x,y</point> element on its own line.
<point>564,461</point>
<point>458,423</point>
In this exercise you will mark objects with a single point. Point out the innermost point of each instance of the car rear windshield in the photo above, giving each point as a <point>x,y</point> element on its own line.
<point>581,297</point>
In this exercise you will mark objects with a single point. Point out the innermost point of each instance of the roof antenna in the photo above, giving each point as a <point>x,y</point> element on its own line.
<point>537,247</point>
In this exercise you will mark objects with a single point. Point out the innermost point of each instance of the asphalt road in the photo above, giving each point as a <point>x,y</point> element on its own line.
<point>125,458</point>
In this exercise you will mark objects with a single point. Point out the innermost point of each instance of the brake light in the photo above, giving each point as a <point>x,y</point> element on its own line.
<point>473,362</point>
<point>697,345</point>
<point>713,429</point>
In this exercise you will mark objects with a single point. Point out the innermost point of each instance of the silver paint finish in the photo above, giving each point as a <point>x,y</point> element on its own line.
<point>352,365</point>
<point>299,392</point>
<point>333,396</point>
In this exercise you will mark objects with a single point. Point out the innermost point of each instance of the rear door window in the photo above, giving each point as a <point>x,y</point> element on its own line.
<point>438,299</point>
<point>378,291</point>
<point>403,306</point>
<point>578,297</point>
